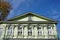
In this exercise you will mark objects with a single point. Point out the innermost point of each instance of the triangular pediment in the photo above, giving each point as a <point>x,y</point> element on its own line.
<point>30,17</point>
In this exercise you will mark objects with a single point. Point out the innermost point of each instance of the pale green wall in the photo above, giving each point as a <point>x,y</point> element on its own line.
<point>34,18</point>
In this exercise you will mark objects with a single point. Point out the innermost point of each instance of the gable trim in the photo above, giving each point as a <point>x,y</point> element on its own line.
<point>25,15</point>
<point>26,22</point>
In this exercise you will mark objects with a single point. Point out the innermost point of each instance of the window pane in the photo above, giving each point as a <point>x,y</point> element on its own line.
<point>20,30</point>
<point>39,30</point>
<point>29,31</point>
<point>39,33</point>
<point>49,32</point>
<point>10,30</point>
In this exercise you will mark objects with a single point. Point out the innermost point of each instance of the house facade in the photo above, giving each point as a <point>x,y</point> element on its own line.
<point>28,26</point>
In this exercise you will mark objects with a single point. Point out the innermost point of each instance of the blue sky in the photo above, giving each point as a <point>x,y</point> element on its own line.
<point>48,8</point>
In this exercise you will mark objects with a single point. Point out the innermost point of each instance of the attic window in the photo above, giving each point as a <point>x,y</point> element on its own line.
<point>10,32</point>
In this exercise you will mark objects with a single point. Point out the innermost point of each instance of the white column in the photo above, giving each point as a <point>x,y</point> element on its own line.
<point>21,36</point>
<point>22,31</point>
<point>6,31</point>
<point>3,30</point>
<point>55,30</point>
<point>32,31</point>
<point>45,32</point>
<point>35,31</point>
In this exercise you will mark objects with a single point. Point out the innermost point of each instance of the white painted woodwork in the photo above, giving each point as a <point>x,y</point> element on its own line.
<point>25,29</point>
<point>34,18</point>
<point>3,30</point>
<point>23,19</point>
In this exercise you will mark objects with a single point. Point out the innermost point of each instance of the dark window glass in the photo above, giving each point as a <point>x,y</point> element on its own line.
<point>39,32</point>
<point>49,32</point>
<point>39,28</point>
<point>29,31</point>
<point>19,30</point>
<point>9,30</point>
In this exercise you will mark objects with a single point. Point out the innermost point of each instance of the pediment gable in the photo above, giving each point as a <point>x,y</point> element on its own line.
<point>31,17</point>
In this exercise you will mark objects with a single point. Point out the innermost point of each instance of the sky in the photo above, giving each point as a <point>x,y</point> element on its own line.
<point>47,8</point>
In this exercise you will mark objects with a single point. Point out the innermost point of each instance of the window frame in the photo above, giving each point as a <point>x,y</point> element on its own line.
<point>29,31</point>
<point>19,30</point>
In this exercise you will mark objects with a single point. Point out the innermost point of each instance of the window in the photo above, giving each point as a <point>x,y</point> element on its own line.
<point>39,31</point>
<point>29,31</point>
<point>20,30</point>
<point>10,30</point>
<point>49,30</point>
<point>39,28</point>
